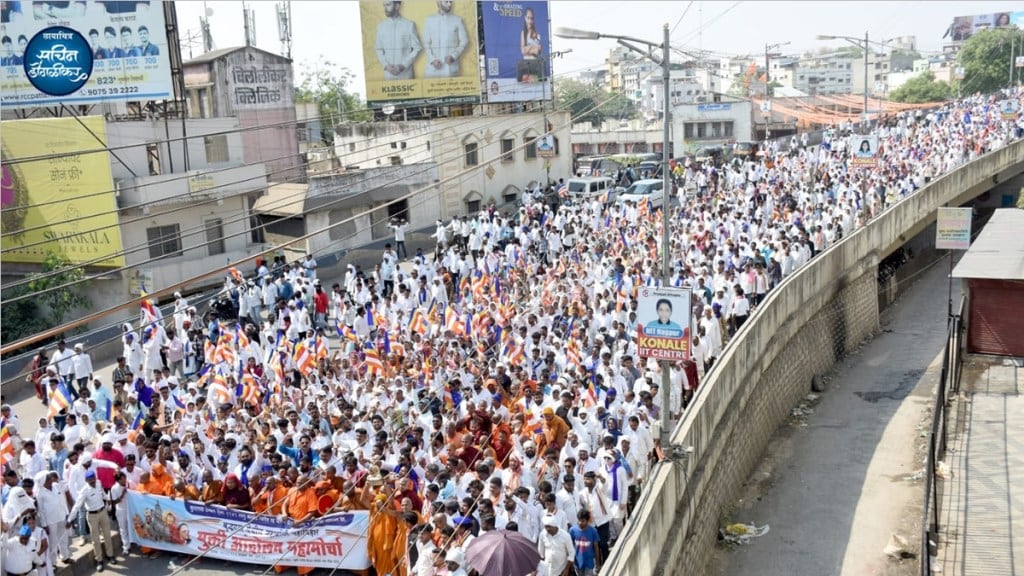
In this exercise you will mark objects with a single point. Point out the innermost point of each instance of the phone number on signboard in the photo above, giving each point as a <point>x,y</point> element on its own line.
<point>110,91</point>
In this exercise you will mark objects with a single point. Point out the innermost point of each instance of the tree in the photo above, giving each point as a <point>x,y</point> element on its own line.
<point>326,84</point>
<point>985,58</point>
<point>588,103</point>
<point>922,88</point>
<point>31,315</point>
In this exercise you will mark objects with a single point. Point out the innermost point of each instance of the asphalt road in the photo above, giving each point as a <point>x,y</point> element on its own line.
<point>835,485</point>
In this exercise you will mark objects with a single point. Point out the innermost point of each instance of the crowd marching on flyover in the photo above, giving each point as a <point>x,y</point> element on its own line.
<point>493,385</point>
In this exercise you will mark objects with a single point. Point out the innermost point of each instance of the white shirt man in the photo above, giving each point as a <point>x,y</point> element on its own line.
<point>555,547</point>
<point>52,507</point>
<point>81,363</point>
<point>445,39</point>
<point>396,43</point>
<point>61,359</point>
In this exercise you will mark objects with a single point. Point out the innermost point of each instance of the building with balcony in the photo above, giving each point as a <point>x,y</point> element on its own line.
<point>185,203</point>
<point>824,74</point>
<point>459,147</point>
<point>257,88</point>
<point>715,123</point>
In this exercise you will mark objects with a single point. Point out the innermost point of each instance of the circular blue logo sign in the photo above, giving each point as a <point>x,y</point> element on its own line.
<point>58,61</point>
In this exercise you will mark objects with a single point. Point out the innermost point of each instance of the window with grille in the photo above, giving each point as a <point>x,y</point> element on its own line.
<point>507,144</point>
<point>472,153</point>
<point>164,241</point>
<point>216,148</point>
<point>531,147</point>
<point>215,236</point>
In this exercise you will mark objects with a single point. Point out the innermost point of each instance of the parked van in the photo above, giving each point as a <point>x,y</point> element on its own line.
<point>588,188</point>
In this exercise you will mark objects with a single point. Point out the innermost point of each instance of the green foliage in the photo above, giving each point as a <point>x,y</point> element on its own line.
<point>588,103</point>
<point>31,315</point>
<point>326,84</point>
<point>985,58</point>
<point>922,88</point>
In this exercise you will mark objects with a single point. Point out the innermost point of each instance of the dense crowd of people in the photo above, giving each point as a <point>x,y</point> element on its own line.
<point>494,385</point>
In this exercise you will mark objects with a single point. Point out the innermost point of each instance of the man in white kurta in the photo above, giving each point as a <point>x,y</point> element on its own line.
<point>445,39</point>
<point>396,43</point>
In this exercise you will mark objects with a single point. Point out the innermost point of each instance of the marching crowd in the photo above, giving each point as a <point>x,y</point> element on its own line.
<point>493,386</point>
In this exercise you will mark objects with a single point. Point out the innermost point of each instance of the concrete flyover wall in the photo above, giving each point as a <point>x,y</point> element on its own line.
<point>815,316</point>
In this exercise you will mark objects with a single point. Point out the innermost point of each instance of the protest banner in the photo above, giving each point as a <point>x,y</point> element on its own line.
<point>188,527</point>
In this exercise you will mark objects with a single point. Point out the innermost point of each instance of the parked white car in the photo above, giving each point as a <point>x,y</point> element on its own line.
<point>641,189</point>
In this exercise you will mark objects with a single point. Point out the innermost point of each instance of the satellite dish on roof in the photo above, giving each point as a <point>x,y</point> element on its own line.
<point>209,12</point>
<point>388,109</point>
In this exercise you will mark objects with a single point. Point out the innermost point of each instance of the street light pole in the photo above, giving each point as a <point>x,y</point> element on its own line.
<point>628,42</point>
<point>864,45</point>
<point>767,67</point>
<point>867,47</point>
<point>666,273</point>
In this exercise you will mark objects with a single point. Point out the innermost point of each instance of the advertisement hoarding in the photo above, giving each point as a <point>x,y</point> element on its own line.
<point>953,229</point>
<point>64,202</point>
<point>127,48</point>
<point>663,323</point>
<point>865,150</point>
<point>1009,109</point>
<point>964,27</point>
<point>419,52</point>
<point>517,50</point>
<point>188,527</point>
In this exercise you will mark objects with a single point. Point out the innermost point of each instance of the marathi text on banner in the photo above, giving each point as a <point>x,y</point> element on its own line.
<point>123,43</point>
<point>333,541</point>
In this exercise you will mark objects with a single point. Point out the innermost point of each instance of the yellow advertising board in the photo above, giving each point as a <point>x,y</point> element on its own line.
<point>64,202</point>
<point>420,51</point>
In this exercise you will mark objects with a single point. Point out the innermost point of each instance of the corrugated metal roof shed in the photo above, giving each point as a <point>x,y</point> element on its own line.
<point>998,252</point>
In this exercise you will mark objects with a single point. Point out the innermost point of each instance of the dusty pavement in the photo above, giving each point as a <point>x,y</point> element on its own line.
<point>840,476</point>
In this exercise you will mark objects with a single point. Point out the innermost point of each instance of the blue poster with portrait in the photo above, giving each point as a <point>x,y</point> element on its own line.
<point>517,51</point>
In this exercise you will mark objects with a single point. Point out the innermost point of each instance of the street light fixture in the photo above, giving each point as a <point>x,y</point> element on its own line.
<point>666,174</point>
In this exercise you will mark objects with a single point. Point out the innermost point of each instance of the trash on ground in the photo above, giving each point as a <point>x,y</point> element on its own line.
<point>740,533</point>
<point>898,548</point>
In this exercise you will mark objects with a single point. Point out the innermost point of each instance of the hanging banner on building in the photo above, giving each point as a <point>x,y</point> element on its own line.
<point>865,150</point>
<point>333,541</point>
<point>663,323</point>
<point>83,52</point>
<point>64,202</point>
<point>517,51</point>
<point>953,229</point>
<point>420,52</point>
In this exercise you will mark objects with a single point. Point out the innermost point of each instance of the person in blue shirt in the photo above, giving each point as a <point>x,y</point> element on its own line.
<point>145,47</point>
<point>663,326</point>
<point>297,454</point>
<point>9,58</point>
<point>585,539</point>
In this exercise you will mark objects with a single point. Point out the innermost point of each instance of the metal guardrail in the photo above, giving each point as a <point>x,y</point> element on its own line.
<point>949,385</point>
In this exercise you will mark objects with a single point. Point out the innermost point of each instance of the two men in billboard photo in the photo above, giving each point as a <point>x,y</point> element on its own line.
<point>398,44</point>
